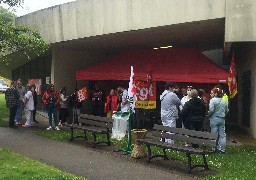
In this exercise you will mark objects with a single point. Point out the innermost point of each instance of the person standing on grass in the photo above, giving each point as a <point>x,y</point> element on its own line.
<point>12,101</point>
<point>169,103</point>
<point>51,100</point>
<point>75,105</point>
<point>193,113</point>
<point>218,109</point>
<point>33,89</point>
<point>22,91</point>
<point>63,106</point>
<point>28,106</point>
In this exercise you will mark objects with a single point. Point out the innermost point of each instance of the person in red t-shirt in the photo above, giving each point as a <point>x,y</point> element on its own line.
<point>51,100</point>
<point>111,103</point>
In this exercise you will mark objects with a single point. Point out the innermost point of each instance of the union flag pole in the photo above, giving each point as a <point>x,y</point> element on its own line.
<point>232,83</point>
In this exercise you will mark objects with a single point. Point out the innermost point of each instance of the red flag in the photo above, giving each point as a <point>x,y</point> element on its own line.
<point>149,75</point>
<point>82,94</point>
<point>232,84</point>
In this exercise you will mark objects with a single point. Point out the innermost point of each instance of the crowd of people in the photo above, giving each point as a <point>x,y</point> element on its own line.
<point>191,109</point>
<point>184,107</point>
<point>19,99</point>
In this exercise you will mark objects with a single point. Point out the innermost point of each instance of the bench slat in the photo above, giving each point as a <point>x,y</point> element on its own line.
<point>199,134</point>
<point>174,146</point>
<point>184,138</point>
<point>96,118</point>
<point>98,124</point>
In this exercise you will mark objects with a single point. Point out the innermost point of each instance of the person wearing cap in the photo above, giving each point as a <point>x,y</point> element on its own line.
<point>169,111</point>
<point>51,100</point>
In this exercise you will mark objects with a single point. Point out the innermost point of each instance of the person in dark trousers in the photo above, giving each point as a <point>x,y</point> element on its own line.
<point>12,101</point>
<point>75,105</point>
<point>98,100</point>
<point>177,91</point>
<point>193,113</point>
<point>63,106</point>
<point>35,102</point>
<point>51,100</point>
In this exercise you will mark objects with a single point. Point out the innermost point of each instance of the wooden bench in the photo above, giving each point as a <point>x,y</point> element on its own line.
<point>95,125</point>
<point>207,143</point>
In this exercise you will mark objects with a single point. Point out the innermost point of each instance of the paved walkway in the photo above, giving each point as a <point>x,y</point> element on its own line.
<point>83,161</point>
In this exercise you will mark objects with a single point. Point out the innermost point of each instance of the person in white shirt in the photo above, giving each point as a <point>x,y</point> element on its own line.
<point>169,103</point>
<point>187,97</point>
<point>125,106</point>
<point>29,106</point>
<point>63,106</point>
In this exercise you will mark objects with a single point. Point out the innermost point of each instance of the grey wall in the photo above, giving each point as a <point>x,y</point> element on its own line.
<point>85,18</point>
<point>240,20</point>
<point>65,63</point>
<point>245,60</point>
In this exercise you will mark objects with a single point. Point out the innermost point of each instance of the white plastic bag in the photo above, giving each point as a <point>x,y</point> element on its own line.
<point>120,125</point>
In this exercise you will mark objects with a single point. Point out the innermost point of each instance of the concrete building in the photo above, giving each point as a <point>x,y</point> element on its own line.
<point>85,32</point>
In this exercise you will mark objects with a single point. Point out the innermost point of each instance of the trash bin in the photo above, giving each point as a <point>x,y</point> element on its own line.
<point>120,125</point>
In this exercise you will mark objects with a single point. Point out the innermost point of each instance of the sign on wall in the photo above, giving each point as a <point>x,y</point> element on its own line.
<point>38,83</point>
<point>47,80</point>
<point>145,94</point>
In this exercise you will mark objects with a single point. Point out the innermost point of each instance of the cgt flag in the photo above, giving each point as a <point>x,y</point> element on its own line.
<point>82,94</point>
<point>232,84</point>
<point>132,91</point>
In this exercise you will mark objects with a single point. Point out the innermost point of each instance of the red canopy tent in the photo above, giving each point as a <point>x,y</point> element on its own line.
<point>177,65</point>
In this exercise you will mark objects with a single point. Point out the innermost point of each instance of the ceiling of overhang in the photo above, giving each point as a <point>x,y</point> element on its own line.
<point>204,35</point>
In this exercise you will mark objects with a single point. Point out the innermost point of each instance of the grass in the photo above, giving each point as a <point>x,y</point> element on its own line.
<point>14,166</point>
<point>4,111</point>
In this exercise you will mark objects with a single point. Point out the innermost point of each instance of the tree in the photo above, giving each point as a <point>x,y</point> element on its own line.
<point>18,38</point>
<point>11,3</point>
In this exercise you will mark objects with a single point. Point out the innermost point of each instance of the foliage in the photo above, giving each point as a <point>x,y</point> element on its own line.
<point>18,38</point>
<point>7,16</point>
<point>15,166</point>
<point>12,3</point>
<point>4,111</point>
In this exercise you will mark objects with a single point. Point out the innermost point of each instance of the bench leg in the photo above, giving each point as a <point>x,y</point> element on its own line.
<point>72,134</point>
<point>165,156</point>
<point>149,153</point>
<point>205,162</point>
<point>189,163</point>
<point>85,136</point>
<point>94,139</point>
<point>108,138</point>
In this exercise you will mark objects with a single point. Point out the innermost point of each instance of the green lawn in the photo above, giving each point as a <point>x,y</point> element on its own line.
<point>4,112</point>
<point>14,166</point>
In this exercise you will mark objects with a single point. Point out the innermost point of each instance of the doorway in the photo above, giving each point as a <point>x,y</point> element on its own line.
<point>246,99</point>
